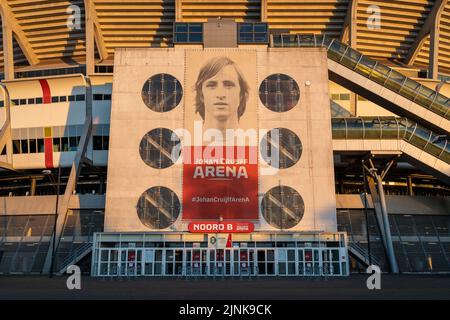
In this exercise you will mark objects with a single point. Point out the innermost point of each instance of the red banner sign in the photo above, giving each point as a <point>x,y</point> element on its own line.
<point>221,227</point>
<point>220,182</point>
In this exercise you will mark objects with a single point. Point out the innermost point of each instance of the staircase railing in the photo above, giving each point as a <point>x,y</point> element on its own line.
<point>392,128</point>
<point>74,255</point>
<point>364,253</point>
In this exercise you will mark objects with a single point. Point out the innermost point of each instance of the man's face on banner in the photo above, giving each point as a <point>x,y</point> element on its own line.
<point>221,94</point>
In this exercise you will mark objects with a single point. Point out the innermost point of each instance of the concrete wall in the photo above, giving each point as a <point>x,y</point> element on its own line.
<point>399,204</point>
<point>47,204</point>
<point>312,176</point>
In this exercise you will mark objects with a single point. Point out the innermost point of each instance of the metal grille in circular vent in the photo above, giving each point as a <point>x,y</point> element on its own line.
<point>279,92</point>
<point>281,148</point>
<point>158,207</point>
<point>282,207</point>
<point>159,148</point>
<point>162,92</point>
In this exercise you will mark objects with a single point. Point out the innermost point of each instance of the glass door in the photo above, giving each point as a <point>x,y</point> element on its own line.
<point>282,261</point>
<point>169,262</point>
<point>149,262</point>
<point>261,262</point>
<point>179,262</point>
<point>270,255</point>
<point>244,263</point>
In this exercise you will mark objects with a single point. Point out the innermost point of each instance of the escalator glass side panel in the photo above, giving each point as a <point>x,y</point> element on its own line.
<point>339,128</point>
<point>425,96</point>
<point>435,146</point>
<point>410,127</point>
<point>445,156</point>
<point>390,128</point>
<point>372,128</point>
<point>351,58</point>
<point>409,89</point>
<point>355,128</point>
<point>439,106</point>
<point>380,73</point>
<point>395,81</point>
<point>365,66</point>
<point>336,51</point>
<point>420,137</point>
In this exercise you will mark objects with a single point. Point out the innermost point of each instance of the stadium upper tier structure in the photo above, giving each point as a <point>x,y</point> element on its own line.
<point>224,138</point>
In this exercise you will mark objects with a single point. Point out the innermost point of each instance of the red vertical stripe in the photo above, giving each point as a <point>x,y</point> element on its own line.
<point>48,153</point>
<point>46,94</point>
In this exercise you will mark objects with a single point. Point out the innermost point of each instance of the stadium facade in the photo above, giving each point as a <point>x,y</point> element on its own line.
<point>225,138</point>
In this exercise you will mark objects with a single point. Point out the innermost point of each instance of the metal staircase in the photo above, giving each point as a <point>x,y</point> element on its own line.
<point>362,254</point>
<point>75,256</point>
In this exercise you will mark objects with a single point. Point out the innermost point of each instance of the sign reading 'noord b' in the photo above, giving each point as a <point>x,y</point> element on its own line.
<point>221,227</point>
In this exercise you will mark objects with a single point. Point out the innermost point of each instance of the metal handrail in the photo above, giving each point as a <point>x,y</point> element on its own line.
<point>340,57</point>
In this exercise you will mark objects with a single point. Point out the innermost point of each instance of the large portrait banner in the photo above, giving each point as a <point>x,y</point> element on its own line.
<point>220,143</point>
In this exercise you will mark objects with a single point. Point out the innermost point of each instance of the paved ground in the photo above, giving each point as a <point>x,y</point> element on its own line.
<point>353,287</point>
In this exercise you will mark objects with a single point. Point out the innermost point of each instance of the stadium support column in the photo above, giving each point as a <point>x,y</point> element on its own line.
<point>80,157</point>
<point>349,35</point>
<point>381,210</point>
<point>5,132</point>
<point>434,49</point>
<point>8,53</point>
<point>263,10</point>
<point>178,10</point>
<point>90,39</point>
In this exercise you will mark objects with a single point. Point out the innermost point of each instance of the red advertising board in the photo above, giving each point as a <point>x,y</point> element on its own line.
<point>220,182</point>
<point>220,227</point>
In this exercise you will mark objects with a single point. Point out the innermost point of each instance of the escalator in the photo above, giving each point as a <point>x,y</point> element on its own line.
<point>421,147</point>
<point>377,83</point>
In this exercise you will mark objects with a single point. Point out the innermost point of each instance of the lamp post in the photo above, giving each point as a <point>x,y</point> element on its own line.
<point>366,214</point>
<point>49,173</point>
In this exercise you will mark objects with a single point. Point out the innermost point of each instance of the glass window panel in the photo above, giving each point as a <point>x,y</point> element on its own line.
<point>181,37</point>
<point>260,27</point>
<point>105,142</point>
<point>16,146</point>
<point>97,143</point>
<point>246,27</point>
<point>56,144</point>
<point>24,146</point>
<point>33,145</point>
<point>195,37</point>
<point>181,27</point>
<point>64,144</point>
<point>195,27</point>
<point>260,37</point>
